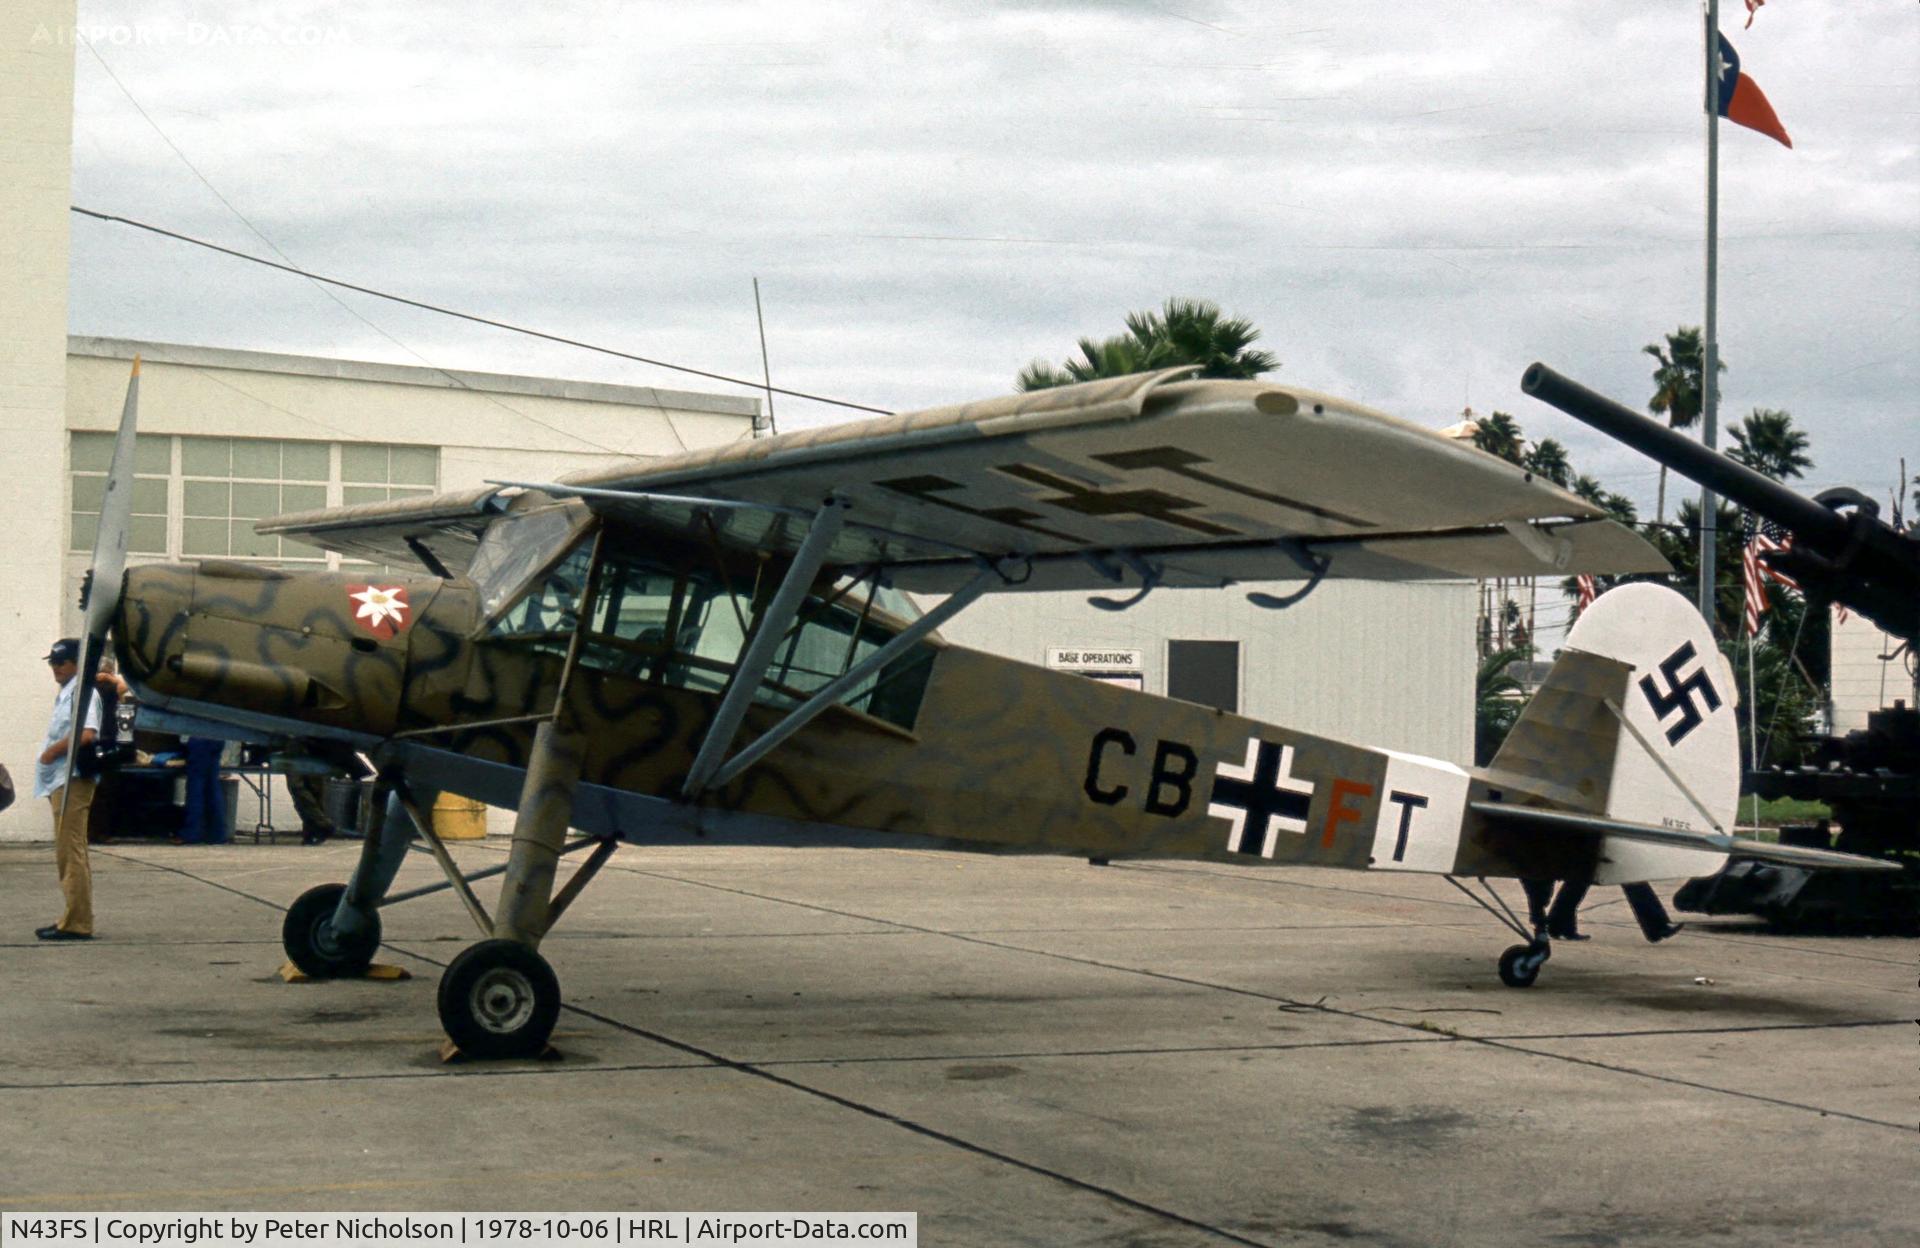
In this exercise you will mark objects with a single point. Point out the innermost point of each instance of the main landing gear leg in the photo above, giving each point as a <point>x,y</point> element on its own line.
<point>332,930</point>
<point>499,998</point>
<point>1519,965</point>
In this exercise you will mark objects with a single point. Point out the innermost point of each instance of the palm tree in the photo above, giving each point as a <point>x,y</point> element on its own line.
<point>1192,331</point>
<point>1184,331</point>
<point>1677,392</point>
<point>1767,442</point>
<point>1499,434</point>
<point>1496,703</point>
<point>1109,357</point>
<point>1549,459</point>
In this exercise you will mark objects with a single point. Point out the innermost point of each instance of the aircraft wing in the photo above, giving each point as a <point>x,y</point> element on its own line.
<point>1196,483</point>
<point>447,526</point>
<point>1572,823</point>
<point>1206,482</point>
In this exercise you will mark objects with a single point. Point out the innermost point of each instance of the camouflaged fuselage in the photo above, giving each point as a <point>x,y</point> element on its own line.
<point>1001,753</point>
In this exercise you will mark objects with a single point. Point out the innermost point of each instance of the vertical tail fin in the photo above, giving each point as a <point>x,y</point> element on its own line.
<point>1635,722</point>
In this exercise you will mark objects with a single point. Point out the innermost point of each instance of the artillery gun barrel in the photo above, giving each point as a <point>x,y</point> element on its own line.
<point>1812,523</point>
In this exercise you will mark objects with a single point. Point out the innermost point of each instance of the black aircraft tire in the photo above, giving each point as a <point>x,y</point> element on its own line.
<point>499,998</point>
<point>307,935</point>
<point>1516,971</point>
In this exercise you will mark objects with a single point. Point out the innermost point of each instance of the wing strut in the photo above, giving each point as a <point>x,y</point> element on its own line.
<point>830,692</point>
<point>774,622</point>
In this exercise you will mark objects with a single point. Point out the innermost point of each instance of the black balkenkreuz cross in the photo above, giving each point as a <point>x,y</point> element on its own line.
<point>1679,694</point>
<point>1260,798</point>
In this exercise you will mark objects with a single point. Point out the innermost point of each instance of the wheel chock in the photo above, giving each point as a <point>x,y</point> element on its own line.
<point>452,1054</point>
<point>378,970</point>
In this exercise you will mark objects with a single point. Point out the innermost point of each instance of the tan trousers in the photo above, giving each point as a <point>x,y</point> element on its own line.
<point>70,856</point>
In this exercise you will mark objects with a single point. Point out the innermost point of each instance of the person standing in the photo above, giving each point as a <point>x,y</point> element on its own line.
<point>70,801</point>
<point>205,819</point>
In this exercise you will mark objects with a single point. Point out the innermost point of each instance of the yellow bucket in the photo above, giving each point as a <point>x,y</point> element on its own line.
<point>458,818</point>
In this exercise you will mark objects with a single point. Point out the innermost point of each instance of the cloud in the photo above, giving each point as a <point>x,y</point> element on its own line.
<point>1413,202</point>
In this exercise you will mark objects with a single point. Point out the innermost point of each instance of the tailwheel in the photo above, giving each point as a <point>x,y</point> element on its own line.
<point>312,943</point>
<point>1520,965</point>
<point>499,998</point>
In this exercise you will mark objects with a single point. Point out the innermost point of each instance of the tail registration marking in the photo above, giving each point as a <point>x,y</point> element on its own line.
<point>1260,799</point>
<point>1418,824</point>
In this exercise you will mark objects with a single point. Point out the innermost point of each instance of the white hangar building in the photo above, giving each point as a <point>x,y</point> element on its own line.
<point>230,435</point>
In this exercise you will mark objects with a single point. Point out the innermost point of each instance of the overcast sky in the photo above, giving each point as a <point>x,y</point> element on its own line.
<point>1411,201</point>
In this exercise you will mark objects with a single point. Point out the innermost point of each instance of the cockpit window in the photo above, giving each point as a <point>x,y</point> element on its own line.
<point>520,545</point>
<point>688,629</point>
<point>549,611</point>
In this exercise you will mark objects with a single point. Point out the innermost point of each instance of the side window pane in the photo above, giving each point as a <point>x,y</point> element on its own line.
<point>152,454</point>
<point>86,527</point>
<point>363,463</point>
<point>352,494</point>
<point>303,461</point>
<point>247,543</point>
<point>253,500</point>
<point>203,537</point>
<point>253,458</point>
<point>88,492</point>
<point>208,498</point>
<point>92,452</point>
<point>150,496</point>
<point>302,497</point>
<point>206,457</point>
<point>415,465</point>
<point>147,535</point>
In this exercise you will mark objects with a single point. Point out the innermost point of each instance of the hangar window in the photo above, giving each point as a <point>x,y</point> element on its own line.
<point>199,497</point>
<point>152,467</point>
<point>229,484</point>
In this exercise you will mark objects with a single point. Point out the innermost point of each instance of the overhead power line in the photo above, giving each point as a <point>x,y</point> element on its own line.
<point>468,316</point>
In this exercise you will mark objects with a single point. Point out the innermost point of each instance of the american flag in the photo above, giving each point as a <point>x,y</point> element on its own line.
<point>1758,573</point>
<point>1587,591</point>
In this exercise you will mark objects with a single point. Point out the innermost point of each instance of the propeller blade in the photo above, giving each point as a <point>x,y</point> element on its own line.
<point>100,592</point>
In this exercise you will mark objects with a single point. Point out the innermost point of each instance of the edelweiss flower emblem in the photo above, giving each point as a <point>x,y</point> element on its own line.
<point>384,610</point>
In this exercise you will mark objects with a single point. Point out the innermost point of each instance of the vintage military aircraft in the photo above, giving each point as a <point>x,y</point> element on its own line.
<point>589,652</point>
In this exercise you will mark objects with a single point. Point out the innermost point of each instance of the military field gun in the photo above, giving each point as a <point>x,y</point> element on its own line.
<point>1842,552</point>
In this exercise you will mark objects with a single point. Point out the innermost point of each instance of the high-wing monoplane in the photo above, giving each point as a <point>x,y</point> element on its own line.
<point>717,647</point>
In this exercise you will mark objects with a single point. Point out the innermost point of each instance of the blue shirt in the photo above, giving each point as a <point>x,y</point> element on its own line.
<point>50,778</point>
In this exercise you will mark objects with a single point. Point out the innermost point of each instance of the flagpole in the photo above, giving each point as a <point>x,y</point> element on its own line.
<point>1710,353</point>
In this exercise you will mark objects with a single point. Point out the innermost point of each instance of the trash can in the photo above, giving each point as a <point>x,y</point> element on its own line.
<point>230,797</point>
<point>458,818</point>
<point>342,803</point>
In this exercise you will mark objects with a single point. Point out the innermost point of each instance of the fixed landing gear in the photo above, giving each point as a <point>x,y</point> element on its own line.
<point>315,945</point>
<point>1520,965</point>
<point>499,998</point>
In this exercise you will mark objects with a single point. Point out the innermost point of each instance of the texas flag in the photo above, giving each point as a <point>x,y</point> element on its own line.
<point>1741,102</point>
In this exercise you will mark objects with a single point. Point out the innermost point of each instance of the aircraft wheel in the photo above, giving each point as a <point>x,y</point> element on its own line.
<point>1520,965</point>
<point>307,935</point>
<point>499,998</point>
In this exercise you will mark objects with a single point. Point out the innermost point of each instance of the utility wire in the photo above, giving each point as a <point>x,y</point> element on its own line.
<point>468,316</point>
<point>346,307</point>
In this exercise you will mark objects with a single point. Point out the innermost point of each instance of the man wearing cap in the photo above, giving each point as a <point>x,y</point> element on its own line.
<point>70,825</point>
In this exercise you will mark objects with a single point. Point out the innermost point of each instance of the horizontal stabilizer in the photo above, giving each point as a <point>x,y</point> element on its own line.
<point>1709,842</point>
